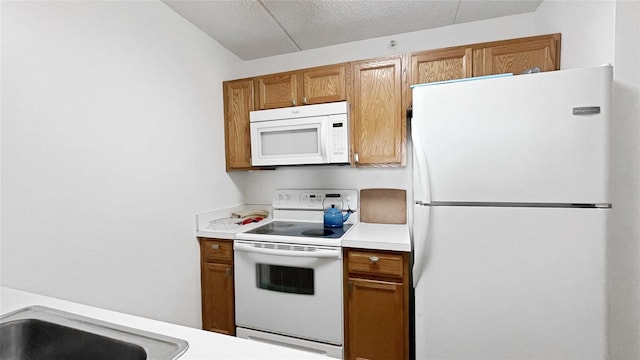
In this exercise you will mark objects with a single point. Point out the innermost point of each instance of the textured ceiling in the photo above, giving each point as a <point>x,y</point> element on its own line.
<point>254,29</point>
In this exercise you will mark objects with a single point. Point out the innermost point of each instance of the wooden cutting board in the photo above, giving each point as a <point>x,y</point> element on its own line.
<point>383,206</point>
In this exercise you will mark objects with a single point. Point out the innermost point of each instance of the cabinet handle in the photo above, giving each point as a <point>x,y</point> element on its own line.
<point>215,247</point>
<point>304,100</point>
<point>374,259</point>
<point>228,272</point>
<point>293,102</point>
<point>356,158</point>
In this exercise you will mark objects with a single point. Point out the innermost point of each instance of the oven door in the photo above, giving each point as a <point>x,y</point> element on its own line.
<point>289,142</point>
<point>293,290</point>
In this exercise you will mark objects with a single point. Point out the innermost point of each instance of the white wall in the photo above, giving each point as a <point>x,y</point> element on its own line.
<point>260,185</point>
<point>593,33</point>
<point>112,133</point>
<point>624,248</point>
<point>587,29</point>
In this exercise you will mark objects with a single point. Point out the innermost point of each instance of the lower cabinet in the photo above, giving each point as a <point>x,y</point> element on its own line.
<point>376,304</point>
<point>216,269</point>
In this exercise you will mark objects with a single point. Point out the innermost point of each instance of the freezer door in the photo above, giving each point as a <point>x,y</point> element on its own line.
<point>516,139</point>
<point>512,283</point>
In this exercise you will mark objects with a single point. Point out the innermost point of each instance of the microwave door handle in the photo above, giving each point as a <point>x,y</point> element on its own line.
<point>324,136</point>
<point>315,254</point>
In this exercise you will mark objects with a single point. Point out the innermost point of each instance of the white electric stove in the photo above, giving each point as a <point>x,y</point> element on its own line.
<point>288,273</point>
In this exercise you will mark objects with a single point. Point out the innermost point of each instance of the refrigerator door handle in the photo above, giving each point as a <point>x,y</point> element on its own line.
<point>421,244</point>
<point>421,181</point>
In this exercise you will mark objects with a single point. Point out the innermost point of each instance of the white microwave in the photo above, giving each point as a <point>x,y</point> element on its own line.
<point>310,134</point>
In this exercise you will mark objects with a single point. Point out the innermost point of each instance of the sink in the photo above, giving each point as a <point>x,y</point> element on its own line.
<point>39,332</point>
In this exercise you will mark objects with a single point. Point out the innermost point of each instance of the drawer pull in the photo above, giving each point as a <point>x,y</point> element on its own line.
<point>215,247</point>
<point>374,259</point>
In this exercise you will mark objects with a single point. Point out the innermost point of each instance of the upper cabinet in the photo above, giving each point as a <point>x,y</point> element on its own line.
<point>507,56</point>
<point>440,65</point>
<point>377,126</point>
<point>497,57</point>
<point>517,55</point>
<point>324,84</point>
<point>239,100</point>
<point>378,92</point>
<point>278,90</point>
<point>310,86</point>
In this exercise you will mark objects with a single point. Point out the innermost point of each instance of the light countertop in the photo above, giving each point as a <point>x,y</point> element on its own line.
<point>205,229</point>
<point>393,237</point>
<point>202,344</point>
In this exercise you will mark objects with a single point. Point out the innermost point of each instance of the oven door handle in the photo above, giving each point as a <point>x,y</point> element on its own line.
<point>335,254</point>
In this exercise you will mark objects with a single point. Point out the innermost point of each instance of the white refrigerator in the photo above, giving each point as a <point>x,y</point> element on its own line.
<point>511,190</point>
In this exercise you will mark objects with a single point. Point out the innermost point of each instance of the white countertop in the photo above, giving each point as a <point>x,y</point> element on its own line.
<point>202,344</point>
<point>394,237</point>
<point>203,228</point>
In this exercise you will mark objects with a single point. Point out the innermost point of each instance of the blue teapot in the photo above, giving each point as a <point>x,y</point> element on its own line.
<point>333,217</point>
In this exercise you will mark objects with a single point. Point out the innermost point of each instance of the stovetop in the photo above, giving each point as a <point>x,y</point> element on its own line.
<point>298,215</point>
<point>300,229</point>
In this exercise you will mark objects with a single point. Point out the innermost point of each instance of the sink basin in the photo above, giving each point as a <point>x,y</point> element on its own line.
<point>38,332</point>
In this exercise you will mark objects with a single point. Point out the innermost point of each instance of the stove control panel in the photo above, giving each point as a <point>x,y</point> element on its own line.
<point>313,199</point>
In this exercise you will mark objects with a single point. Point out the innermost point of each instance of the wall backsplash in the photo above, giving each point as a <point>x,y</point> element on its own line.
<point>259,185</point>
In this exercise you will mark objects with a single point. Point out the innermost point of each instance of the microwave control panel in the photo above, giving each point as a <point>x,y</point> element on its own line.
<point>338,139</point>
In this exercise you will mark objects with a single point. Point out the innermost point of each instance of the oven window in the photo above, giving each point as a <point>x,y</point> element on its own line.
<point>286,279</point>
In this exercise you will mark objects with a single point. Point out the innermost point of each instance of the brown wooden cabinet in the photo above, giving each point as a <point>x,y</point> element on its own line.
<point>216,269</point>
<point>517,55</point>
<point>378,124</point>
<point>278,90</point>
<point>239,100</point>
<point>324,84</point>
<point>376,304</point>
<point>303,87</point>
<point>441,64</point>
<point>497,57</point>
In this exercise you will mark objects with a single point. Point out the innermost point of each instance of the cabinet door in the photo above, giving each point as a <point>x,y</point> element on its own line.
<point>518,55</point>
<point>378,127</point>
<point>217,298</point>
<point>238,102</point>
<point>441,65</point>
<point>375,320</point>
<point>323,85</point>
<point>278,90</point>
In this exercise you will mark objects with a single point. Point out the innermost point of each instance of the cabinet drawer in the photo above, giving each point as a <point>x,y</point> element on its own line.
<point>217,250</point>
<point>375,263</point>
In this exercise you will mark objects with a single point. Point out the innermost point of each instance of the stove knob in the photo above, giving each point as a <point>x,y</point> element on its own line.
<point>287,197</point>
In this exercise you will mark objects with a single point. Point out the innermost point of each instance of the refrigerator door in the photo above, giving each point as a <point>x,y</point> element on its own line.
<point>512,283</point>
<point>539,138</point>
